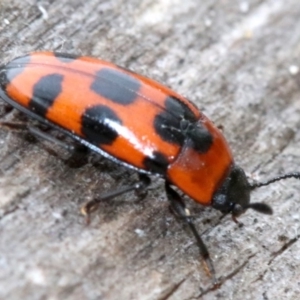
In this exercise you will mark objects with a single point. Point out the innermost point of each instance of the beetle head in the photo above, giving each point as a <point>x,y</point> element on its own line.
<point>234,195</point>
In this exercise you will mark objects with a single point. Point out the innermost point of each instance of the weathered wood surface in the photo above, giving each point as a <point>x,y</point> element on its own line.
<point>238,61</point>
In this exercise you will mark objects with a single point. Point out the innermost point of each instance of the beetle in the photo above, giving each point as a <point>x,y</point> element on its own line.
<point>136,122</point>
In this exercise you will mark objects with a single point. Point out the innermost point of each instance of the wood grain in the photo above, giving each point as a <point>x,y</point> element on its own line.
<point>238,61</point>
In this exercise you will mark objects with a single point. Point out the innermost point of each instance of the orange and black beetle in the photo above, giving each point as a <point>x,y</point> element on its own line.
<point>136,122</point>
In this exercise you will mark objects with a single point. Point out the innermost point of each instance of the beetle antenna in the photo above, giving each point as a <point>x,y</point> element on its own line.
<point>260,207</point>
<point>286,176</point>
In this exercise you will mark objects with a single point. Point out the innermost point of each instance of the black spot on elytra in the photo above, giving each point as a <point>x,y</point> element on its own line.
<point>180,109</point>
<point>98,125</point>
<point>177,124</point>
<point>158,163</point>
<point>168,128</point>
<point>198,137</point>
<point>168,123</point>
<point>45,91</point>
<point>66,57</point>
<point>12,69</point>
<point>116,86</point>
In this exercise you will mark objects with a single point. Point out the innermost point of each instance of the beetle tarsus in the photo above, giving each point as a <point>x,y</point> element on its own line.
<point>180,210</point>
<point>139,188</point>
<point>210,271</point>
<point>88,208</point>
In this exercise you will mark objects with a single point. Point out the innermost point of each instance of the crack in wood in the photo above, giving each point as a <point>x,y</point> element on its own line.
<point>13,205</point>
<point>223,279</point>
<point>285,247</point>
<point>171,290</point>
<point>275,254</point>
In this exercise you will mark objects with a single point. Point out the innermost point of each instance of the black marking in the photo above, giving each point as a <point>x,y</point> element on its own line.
<point>178,108</point>
<point>45,91</point>
<point>98,125</point>
<point>168,123</point>
<point>178,125</point>
<point>168,128</point>
<point>66,57</point>
<point>158,163</point>
<point>198,137</point>
<point>12,69</point>
<point>116,86</point>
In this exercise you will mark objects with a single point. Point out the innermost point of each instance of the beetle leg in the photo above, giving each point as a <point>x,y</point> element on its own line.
<point>49,138</point>
<point>14,125</point>
<point>5,108</point>
<point>78,151</point>
<point>179,208</point>
<point>38,133</point>
<point>138,187</point>
<point>35,131</point>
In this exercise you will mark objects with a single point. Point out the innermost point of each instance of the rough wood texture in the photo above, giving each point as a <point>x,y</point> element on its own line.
<point>238,61</point>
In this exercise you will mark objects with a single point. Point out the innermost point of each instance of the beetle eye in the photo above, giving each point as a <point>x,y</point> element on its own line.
<point>237,210</point>
<point>220,201</point>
